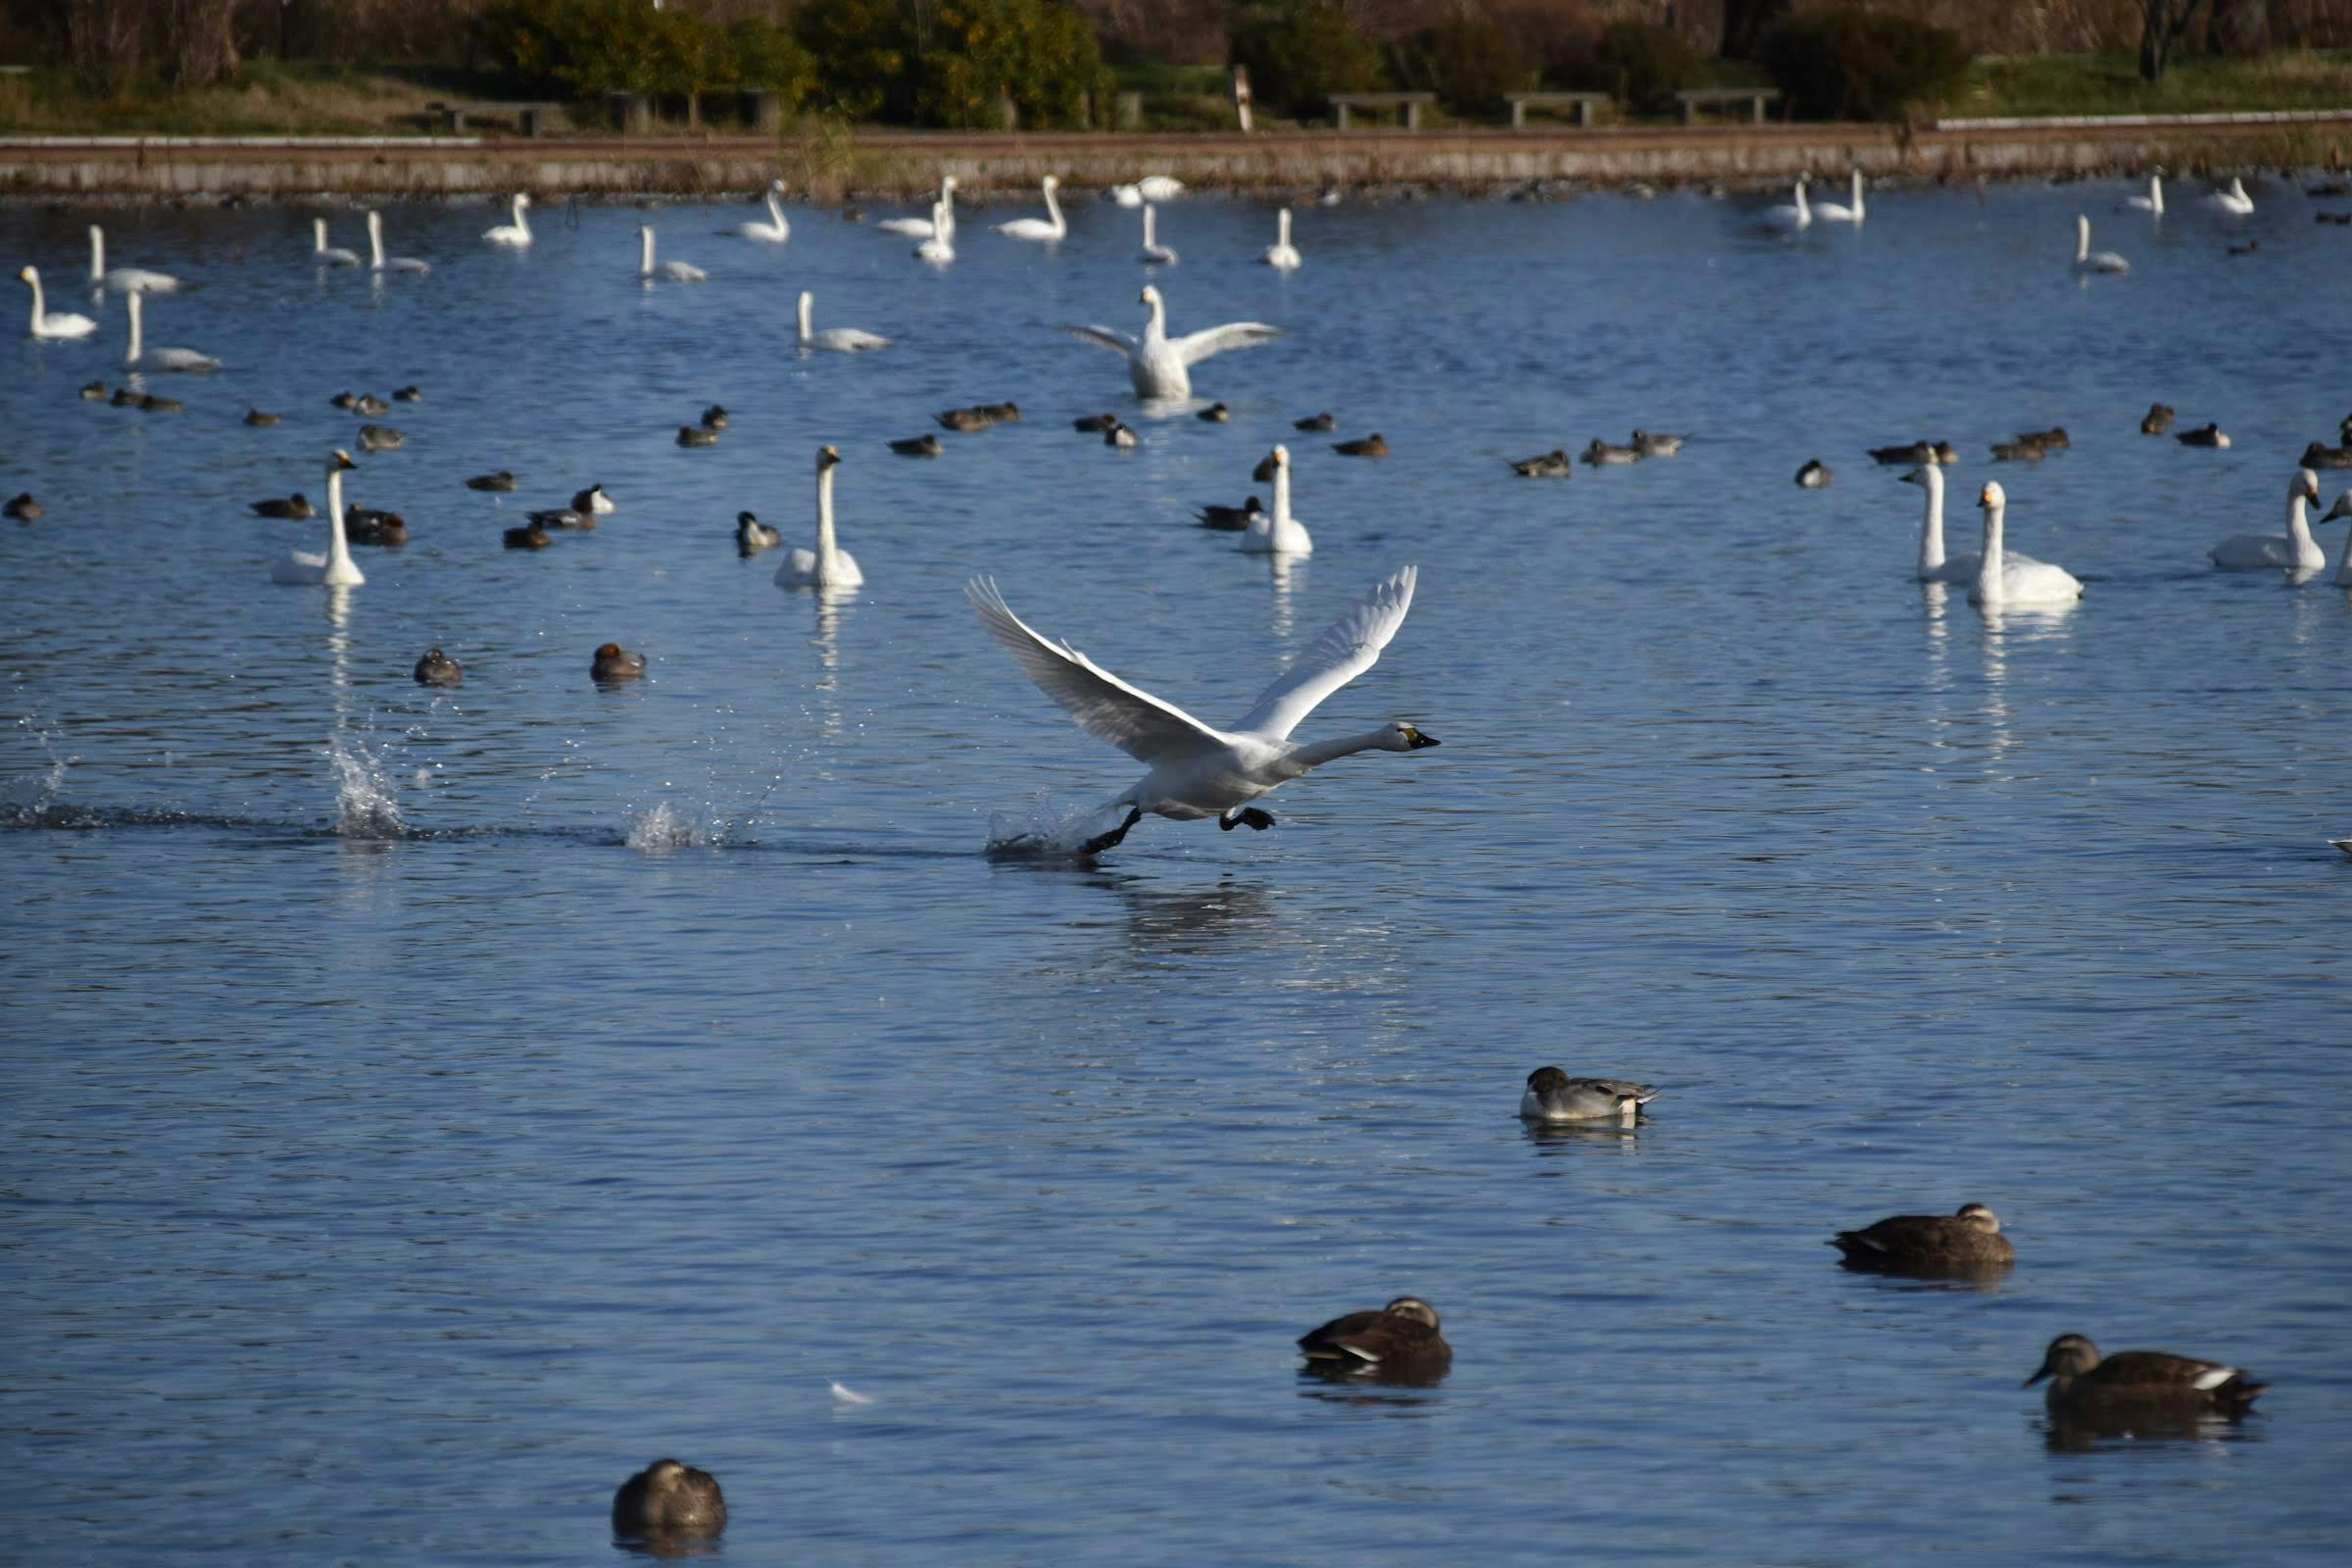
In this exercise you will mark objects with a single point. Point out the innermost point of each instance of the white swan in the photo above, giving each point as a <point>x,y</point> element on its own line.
<point>1837,212</point>
<point>1795,218</point>
<point>1158,188</point>
<point>775,231</point>
<point>1128,196</point>
<point>1935,566</point>
<point>1197,771</point>
<point>1047,229</point>
<point>1158,364</point>
<point>928,228</point>
<point>675,271</point>
<point>2343,508</point>
<point>837,340</point>
<point>397,263</point>
<point>327,254</point>
<point>161,359</point>
<point>124,279</point>
<point>1277,533</point>
<point>1153,253</point>
<point>1282,253</point>
<point>515,235</point>
<point>58,325</point>
<point>335,568</point>
<point>2003,580</point>
<point>2151,203</point>
<point>2233,201</point>
<point>940,245</point>
<point>2294,550</point>
<point>826,566</point>
<point>2088,260</point>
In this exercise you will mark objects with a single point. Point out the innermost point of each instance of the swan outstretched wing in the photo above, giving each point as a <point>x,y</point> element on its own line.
<point>1194,347</point>
<point>1351,646</point>
<point>1106,706</point>
<point>1109,337</point>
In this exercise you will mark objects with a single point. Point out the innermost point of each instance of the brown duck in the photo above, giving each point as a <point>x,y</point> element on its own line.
<point>1401,1342</point>
<point>1964,1242</point>
<point>667,1498</point>
<point>2080,1378</point>
<point>1370,446</point>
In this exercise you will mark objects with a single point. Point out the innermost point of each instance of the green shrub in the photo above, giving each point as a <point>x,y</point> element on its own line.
<point>1299,54</point>
<point>1644,66</point>
<point>1469,62</point>
<point>585,48</point>
<point>1855,65</point>
<point>948,64</point>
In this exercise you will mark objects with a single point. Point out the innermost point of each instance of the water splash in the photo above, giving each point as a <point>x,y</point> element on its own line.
<point>665,828</point>
<point>1046,829</point>
<point>28,796</point>
<point>367,802</point>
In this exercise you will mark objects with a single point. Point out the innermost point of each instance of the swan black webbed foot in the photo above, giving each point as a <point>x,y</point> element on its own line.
<point>1258,821</point>
<point>1102,841</point>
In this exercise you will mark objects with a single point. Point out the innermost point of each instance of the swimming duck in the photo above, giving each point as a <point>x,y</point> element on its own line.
<point>381,439</point>
<point>1231,519</point>
<point>502,480</point>
<point>2053,439</point>
<point>613,662</point>
<point>437,668</point>
<point>531,535</point>
<point>366,403</point>
<point>595,501</point>
<point>2316,455</point>
<point>696,436</point>
<point>155,403</point>
<point>2016,452</point>
<point>408,395</point>
<point>714,417</point>
<point>1814,475</point>
<point>1370,446</point>
<point>1553,1096</point>
<point>1601,454</point>
<point>1009,413</point>
<point>1264,473</point>
<point>1966,1241</point>
<point>1555,464</point>
<point>2204,435</point>
<point>95,391</point>
<point>923,446</point>
<point>1946,454</point>
<point>1658,443</point>
<point>25,509</point>
<point>667,1498</point>
<point>564,517</point>
<point>1913,453</point>
<point>752,536</point>
<point>1401,1342</point>
<point>2079,1377</point>
<point>296,506</point>
<point>1093,424</point>
<point>1216,413</point>
<point>1323,421</point>
<point>971,420</point>
<point>253,417</point>
<point>371,525</point>
<point>1120,436</point>
<point>2157,420</point>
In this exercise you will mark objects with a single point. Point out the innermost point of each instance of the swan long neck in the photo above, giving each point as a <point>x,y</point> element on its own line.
<point>35,279</point>
<point>1321,752</point>
<point>644,251</point>
<point>2155,194</point>
<point>97,254</point>
<point>1804,209</point>
<point>775,207</point>
<point>340,570</point>
<point>2298,526</point>
<point>1148,241</point>
<point>376,239</point>
<point>1157,327</point>
<point>130,358</point>
<point>1053,212</point>
<point>1282,228</point>
<point>1931,528</point>
<point>2082,240</point>
<point>522,221</point>
<point>807,311</point>
<point>1281,498</point>
<point>1989,570</point>
<point>824,545</point>
<point>1857,196</point>
<point>318,237</point>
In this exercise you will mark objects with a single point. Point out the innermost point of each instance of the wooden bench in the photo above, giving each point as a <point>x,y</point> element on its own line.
<point>1755,97</point>
<point>1410,102</point>
<point>1579,104</point>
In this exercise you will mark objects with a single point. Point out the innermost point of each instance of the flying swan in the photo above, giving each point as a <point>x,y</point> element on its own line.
<point>397,263</point>
<point>1158,363</point>
<point>54,324</point>
<point>2294,550</point>
<point>1197,771</point>
<point>839,340</point>
<point>2014,580</point>
<point>516,234</point>
<point>2088,260</point>
<point>1282,253</point>
<point>124,279</point>
<point>1047,229</point>
<point>825,567</point>
<point>675,271</point>
<point>335,568</point>
<point>1277,533</point>
<point>161,359</point>
<point>775,231</point>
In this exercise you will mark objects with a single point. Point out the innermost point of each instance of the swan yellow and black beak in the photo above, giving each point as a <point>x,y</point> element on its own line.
<point>826,458</point>
<point>1417,741</point>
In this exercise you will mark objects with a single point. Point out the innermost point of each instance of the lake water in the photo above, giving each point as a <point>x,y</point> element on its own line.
<point>427,1108</point>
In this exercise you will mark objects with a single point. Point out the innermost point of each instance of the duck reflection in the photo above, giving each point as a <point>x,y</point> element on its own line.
<point>2084,1431</point>
<point>1556,1139</point>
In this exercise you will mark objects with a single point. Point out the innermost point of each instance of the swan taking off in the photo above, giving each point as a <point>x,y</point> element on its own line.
<point>516,232</point>
<point>2294,550</point>
<point>1197,771</point>
<point>124,279</point>
<point>1282,253</point>
<point>2088,260</point>
<point>334,569</point>
<point>1159,365</point>
<point>2151,203</point>
<point>58,325</point>
<point>775,231</point>
<point>327,254</point>
<point>1935,566</point>
<point>397,263</point>
<point>1278,533</point>
<point>161,359</point>
<point>1046,229</point>
<point>937,226</point>
<point>2003,580</point>
<point>1834,211</point>
<point>838,340</point>
<point>1795,218</point>
<point>825,567</point>
<point>675,271</point>
<point>2233,201</point>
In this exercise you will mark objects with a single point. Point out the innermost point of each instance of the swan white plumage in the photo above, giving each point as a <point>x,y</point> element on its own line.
<point>1791,217</point>
<point>335,569</point>
<point>1277,533</point>
<point>775,231</point>
<point>57,325</point>
<point>2151,203</point>
<point>2294,550</point>
<point>1282,253</point>
<point>2233,201</point>
<point>1046,229</point>
<point>1158,364</point>
<point>675,271</point>
<point>516,232</point>
<point>1158,188</point>
<point>826,566</point>
<point>2088,260</point>
<point>2003,580</point>
<point>327,254</point>
<point>124,279</point>
<point>1837,211</point>
<point>1197,771</point>
<point>161,359</point>
<point>397,263</point>
<point>928,228</point>
<point>1935,566</point>
<point>2343,508</point>
<point>1153,253</point>
<point>1128,196</point>
<point>940,245</point>
<point>836,340</point>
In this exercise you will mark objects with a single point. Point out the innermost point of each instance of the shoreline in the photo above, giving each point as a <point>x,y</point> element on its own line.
<point>901,164</point>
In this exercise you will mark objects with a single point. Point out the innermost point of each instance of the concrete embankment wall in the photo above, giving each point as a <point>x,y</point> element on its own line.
<point>901,163</point>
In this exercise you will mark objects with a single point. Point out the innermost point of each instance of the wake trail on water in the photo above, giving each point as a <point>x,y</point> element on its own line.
<point>1046,829</point>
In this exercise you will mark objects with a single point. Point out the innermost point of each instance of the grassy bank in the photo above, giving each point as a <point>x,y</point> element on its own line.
<point>268,97</point>
<point>2030,85</point>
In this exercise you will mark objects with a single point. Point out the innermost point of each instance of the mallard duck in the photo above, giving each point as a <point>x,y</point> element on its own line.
<point>2081,1378</point>
<point>1555,464</point>
<point>1601,454</point>
<point>1370,446</point>
<point>1093,424</point>
<point>924,446</point>
<point>1553,1096</point>
<point>2157,420</point>
<point>531,535</point>
<point>2204,435</point>
<point>667,1498</point>
<point>1658,443</point>
<point>296,506</point>
<point>752,535</point>
<point>1401,1342</point>
<point>253,417</point>
<point>1323,421</point>
<point>613,662</point>
<point>1815,475</point>
<point>381,439</point>
<point>503,480</point>
<point>1231,519</point>
<point>25,509</point>
<point>1964,1242</point>
<point>696,436</point>
<point>437,668</point>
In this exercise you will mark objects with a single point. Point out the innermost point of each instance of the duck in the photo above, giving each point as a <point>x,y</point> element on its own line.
<point>1233,518</point>
<point>2204,435</point>
<point>1370,446</point>
<point>1263,472</point>
<point>752,536</point>
<point>1658,443</point>
<point>155,403</point>
<point>835,340</point>
<point>408,395</point>
<point>2157,420</point>
<point>1555,464</point>
<point>1277,533</point>
<point>1047,230</point>
<point>1837,212</point>
<point>408,264</point>
<point>95,391</point>
<point>53,326</point>
<point>939,247</point>
<point>2316,455</point>
<point>2053,439</point>
<point>1092,424</point>
<point>1153,253</point>
<point>595,502</point>
<point>1815,475</point>
<point>515,233</point>
<point>2151,203</point>
<point>296,506</point>
<point>613,662</point>
<point>1553,1096</point>
<point>1009,413</point>
<point>25,509</point>
<point>827,566</point>
<point>2233,201</point>
<point>1601,454</point>
<point>2088,261</point>
<point>1216,413</point>
<point>1193,770</point>
<point>1796,216</point>
<point>696,436</point>
<point>2004,580</point>
<point>969,420</point>
<point>124,279</point>
<point>1964,1242</point>
<point>1282,254</point>
<point>669,271</point>
<point>1935,566</point>
<point>924,446</point>
<point>370,525</point>
<point>775,230</point>
<point>437,668</point>
<point>2019,451</point>
<point>2295,550</point>
<point>1122,436</point>
<point>941,225</point>
<point>1326,420</point>
<point>2080,1376</point>
<point>366,403</point>
<point>503,480</point>
<point>381,439</point>
<point>531,535</point>
<point>124,398</point>
<point>571,517</point>
<point>667,1498</point>
<point>1401,1341</point>
<point>1160,366</point>
<point>335,569</point>
<point>1915,452</point>
<point>326,255</point>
